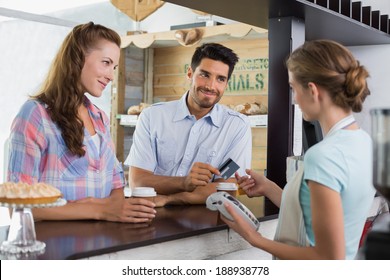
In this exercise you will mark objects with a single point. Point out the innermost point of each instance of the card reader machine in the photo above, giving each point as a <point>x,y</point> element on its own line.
<point>217,200</point>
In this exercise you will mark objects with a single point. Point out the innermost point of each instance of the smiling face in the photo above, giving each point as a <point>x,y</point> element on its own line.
<point>208,83</point>
<point>99,66</point>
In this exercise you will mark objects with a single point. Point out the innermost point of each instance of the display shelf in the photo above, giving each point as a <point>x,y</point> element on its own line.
<point>131,120</point>
<point>127,120</point>
<point>258,120</point>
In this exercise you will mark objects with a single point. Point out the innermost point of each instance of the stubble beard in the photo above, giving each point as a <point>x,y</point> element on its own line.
<point>205,102</point>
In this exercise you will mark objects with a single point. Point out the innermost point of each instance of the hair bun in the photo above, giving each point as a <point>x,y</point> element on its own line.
<point>356,89</point>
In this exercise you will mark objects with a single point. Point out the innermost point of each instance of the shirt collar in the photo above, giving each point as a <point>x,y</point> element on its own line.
<point>216,115</point>
<point>95,113</point>
<point>182,112</point>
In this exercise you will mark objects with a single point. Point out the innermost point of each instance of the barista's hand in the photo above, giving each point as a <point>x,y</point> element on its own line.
<point>254,185</point>
<point>199,175</point>
<point>240,226</point>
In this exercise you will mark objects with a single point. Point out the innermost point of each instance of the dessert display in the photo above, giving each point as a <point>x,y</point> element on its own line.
<point>22,197</point>
<point>22,193</point>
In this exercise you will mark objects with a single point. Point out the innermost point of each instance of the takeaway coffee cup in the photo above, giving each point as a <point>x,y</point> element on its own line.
<point>144,192</point>
<point>230,188</point>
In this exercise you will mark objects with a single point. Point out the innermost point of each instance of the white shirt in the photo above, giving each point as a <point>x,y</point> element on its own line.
<point>96,140</point>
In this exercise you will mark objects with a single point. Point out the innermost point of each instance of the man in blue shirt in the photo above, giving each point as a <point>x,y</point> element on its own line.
<point>178,145</point>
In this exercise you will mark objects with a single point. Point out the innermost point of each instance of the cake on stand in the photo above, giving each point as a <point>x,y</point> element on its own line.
<point>21,240</point>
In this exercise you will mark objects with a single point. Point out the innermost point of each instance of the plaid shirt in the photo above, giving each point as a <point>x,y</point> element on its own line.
<point>38,154</point>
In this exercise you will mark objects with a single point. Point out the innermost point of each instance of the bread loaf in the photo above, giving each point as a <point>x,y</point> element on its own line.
<point>137,109</point>
<point>251,109</point>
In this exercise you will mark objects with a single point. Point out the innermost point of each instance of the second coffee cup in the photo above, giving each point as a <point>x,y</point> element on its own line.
<point>230,188</point>
<point>144,192</point>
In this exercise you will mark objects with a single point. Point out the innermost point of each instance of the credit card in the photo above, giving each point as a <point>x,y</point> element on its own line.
<point>228,168</point>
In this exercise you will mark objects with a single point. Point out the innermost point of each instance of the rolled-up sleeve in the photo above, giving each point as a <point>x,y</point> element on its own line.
<point>118,180</point>
<point>142,153</point>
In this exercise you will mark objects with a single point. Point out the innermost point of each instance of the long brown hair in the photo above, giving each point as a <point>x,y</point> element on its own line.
<point>332,66</point>
<point>62,91</point>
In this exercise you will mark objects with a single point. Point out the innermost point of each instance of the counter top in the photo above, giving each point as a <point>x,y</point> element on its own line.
<point>81,239</point>
<point>88,239</point>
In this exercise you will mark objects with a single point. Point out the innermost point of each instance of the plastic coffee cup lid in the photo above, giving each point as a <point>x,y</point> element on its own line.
<point>227,187</point>
<point>143,192</point>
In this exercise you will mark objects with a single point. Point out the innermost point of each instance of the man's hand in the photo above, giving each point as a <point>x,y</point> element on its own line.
<point>197,196</point>
<point>199,175</point>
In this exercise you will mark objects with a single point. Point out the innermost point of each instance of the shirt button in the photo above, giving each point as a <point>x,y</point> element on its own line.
<point>180,174</point>
<point>97,171</point>
<point>213,153</point>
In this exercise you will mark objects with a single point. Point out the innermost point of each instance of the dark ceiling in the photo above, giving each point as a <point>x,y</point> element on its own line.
<point>320,22</point>
<point>254,12</point>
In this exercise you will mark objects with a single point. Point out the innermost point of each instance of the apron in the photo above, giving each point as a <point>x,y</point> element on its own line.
<point>291,228</point>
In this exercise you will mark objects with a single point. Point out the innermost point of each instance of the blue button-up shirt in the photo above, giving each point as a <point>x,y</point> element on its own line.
<point>168,139</point>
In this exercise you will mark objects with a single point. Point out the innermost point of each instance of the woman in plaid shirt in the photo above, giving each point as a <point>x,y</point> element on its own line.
<point>59,137</point>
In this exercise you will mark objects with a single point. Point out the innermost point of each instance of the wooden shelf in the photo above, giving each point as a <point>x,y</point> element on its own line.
<point>257,121</point>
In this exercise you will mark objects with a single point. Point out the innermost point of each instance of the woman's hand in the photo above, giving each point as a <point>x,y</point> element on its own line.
<point>240,226</point>
<point>254,184</point>
<point>139,210</point>
<point>114,208</point>
<point>117,208</point>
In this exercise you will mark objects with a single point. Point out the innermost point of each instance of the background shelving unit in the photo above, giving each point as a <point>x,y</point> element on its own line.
<point>154,70</point>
